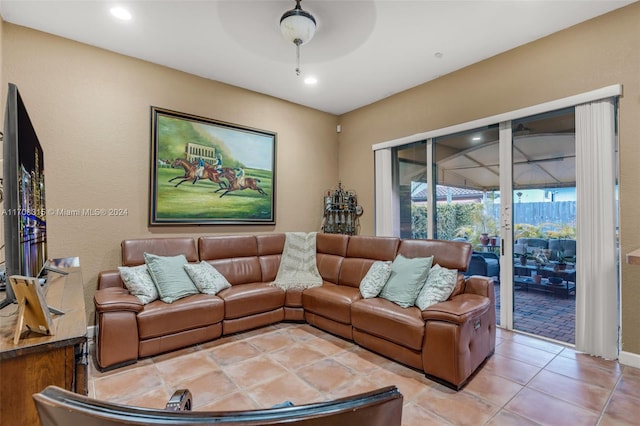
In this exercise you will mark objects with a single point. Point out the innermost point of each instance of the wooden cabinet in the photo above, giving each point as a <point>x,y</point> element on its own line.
<point>38,361</point>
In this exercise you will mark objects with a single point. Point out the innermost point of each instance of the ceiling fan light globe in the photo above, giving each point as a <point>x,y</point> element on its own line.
<point>296,27</point>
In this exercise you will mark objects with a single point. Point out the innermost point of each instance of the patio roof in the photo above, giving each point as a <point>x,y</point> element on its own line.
<point>539,161</point>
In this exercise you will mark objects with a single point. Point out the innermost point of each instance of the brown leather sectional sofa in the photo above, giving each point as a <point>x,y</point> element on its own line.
<point>448,340</point>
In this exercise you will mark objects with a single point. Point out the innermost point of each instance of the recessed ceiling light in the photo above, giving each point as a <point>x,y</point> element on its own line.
<point>310,80</point>
<point>476,138</point>
<point>121,13</point>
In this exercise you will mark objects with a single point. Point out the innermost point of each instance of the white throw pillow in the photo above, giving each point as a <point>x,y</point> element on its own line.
<point>438,286</point>
<point>375,279</point>
<point>206,278</point>
<point>139,282</point>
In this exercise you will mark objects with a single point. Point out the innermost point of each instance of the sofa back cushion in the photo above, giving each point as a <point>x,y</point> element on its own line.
<point>270,248</point>
<point>234,256</point>
<point>133,250</point>
<point>362,251</point>
<point>331,250</point>
<point>448,254</point>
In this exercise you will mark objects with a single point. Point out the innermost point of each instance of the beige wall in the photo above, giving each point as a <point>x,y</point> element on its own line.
<point>589,56</point>
<point>91,110</point>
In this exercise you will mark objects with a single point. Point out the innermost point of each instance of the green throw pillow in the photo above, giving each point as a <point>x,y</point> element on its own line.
<point>406,280</point>
<point>438,288</point>
<point>169,276</point>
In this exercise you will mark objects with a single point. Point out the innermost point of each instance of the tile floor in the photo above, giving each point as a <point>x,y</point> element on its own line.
<point>526,382</point>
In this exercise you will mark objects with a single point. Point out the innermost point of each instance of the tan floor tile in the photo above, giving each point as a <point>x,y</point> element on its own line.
<point>362,361</point>
<point>372,357</point>
<point>357,386</point>
<point>327,375</point>
<point>533,342</point>
<point>570,387</point>
<point>586,369</point>
<point>622,409</point>
<point>493,388</point>
<point>460,408</point>
<point>413,415</point>
<point>304,332</point>
<point>296,356</point>
<point>233,353</point>
<point>328,344</point>
<point>254,371</point>
<point>522,352</point>
<point>95,373</point>
<point>207,388</point>
<point>174,354</point>
<point>629,385</point>
<point>409,384</point>
<point>118,386</point>
<point>270,342</point>
<point>507,418</point>
<point>571,390</point>
<point>594,361</point>
<point>549,410</point>
<point>284,388</point>
<point>514,370</point>
<point>156,398</point>
<point>180,368</point>
<point>236,401</point>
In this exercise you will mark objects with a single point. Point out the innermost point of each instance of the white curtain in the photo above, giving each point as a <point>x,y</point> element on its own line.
<point>596,266</point>
<point>387,207</point>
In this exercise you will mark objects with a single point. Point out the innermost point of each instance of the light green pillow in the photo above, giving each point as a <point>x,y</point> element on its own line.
<point>206,278</point>
<point>139,282</point>
<point>375,279</point>
<point>169,276</point>
<point>438,288</point>
<point>406,280</point>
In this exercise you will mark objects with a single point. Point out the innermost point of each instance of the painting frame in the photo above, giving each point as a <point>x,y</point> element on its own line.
<point>209,172</point>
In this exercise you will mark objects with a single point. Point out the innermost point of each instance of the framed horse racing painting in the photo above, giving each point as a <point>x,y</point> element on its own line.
<point>207,172</point>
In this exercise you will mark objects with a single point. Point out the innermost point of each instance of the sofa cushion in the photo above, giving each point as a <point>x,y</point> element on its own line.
<point>169,276</point>
<point>139,282</point>
<point>387,320</point>
<point>361,253</point>
<point>331,301</point>
<point>438,287</point>
<point>133,250</point>
<point>376,278</point>
<point>249,299</point>
<point>206,278</point>
<point>406,280</point>
<point>160,319</point>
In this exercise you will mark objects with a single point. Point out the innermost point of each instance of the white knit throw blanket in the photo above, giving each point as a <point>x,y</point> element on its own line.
<point>298,267</point>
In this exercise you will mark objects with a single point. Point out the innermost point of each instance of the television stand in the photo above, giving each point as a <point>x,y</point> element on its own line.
<point>59,360</point>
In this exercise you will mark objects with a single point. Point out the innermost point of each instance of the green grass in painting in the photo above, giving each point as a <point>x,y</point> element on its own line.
<point>199,201</point>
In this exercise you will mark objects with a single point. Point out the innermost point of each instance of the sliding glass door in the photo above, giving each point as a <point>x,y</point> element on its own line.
<point>533,192</point>
<point>544,224</point>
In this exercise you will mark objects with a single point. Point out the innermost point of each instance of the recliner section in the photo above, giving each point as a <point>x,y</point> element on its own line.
<point>448,341</point>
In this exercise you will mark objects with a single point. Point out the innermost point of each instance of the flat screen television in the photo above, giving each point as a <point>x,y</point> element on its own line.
<point>24,211</point>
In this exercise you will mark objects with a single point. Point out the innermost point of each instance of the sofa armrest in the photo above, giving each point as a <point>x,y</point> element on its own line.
<point>114,299</point>
<point>458,310</point>
<point>479,285</point>
<point>107,279</point>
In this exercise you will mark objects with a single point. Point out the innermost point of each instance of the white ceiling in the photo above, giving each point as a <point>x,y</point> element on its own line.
<point>363,50</point>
